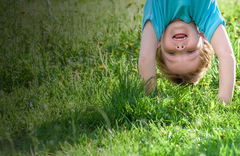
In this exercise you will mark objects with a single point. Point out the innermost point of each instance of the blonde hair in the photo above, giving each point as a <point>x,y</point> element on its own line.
<point>206,53</point>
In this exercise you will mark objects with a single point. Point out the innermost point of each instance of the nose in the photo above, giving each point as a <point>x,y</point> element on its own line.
<point>180,47</point>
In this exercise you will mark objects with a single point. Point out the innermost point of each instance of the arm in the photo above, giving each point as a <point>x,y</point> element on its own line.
<point>146,62</point>
<point>224,52</point>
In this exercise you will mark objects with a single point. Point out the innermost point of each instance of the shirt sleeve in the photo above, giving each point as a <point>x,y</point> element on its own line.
<point>210,20</point>
<point>152,12</point>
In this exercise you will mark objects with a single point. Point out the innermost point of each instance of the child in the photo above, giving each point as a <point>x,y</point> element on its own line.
<point>178,33</point>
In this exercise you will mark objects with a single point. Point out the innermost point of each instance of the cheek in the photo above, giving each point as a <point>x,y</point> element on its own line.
<point>166,42</point>
<point>195,39</point>
<point>167,45</point>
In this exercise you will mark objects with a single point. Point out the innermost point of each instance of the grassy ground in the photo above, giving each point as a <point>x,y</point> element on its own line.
<point>69,86</point>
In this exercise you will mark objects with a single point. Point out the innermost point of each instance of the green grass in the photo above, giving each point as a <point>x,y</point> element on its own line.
<point>56,100</point>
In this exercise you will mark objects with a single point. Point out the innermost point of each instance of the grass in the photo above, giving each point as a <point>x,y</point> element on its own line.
<point>70,86</point>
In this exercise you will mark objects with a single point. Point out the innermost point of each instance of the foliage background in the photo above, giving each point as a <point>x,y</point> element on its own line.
<point>69,86</point>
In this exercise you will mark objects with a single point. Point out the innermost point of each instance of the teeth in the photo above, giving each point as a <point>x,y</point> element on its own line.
<point>179,38</point>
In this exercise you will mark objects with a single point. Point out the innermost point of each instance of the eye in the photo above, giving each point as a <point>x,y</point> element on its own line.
<point>191,51</point>
<point>171,53</point>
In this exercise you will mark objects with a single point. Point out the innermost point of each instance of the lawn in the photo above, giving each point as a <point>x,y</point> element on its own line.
<point>69,85</point>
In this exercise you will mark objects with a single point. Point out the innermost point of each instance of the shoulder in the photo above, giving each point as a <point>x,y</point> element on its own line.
<point>207,16</point>
<point>153,11</point>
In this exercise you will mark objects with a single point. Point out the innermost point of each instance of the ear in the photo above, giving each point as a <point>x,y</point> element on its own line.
<point>159,43</point>
<point>203,38</point>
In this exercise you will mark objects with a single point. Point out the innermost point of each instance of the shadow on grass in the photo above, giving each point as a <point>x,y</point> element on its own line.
<point>47,137</point>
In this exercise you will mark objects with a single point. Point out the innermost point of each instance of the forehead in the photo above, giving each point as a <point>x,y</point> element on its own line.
<point>183,66</point>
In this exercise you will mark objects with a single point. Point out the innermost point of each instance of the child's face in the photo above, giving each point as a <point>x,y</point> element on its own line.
<point>181,43</point>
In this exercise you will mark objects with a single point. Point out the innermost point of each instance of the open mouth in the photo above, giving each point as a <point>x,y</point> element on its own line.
<point>180,37</point>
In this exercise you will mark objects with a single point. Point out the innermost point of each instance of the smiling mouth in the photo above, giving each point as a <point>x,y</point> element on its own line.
<point>179,37</point>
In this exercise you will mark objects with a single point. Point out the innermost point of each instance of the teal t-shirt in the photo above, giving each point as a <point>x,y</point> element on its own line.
<point>204,13</point>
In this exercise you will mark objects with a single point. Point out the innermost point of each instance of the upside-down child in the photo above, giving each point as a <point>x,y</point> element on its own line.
<point>181,36</point>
